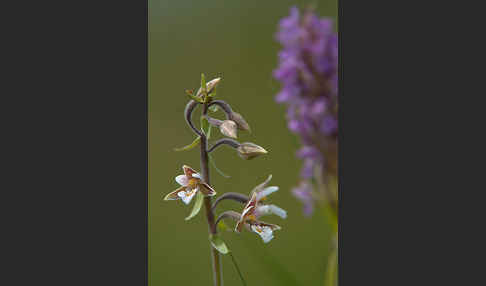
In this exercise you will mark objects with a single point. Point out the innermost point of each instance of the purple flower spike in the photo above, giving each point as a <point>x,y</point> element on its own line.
<point>304,193</point>
<point>308,73</point>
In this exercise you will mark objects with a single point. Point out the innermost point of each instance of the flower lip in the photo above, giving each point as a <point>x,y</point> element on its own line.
<point>265,230</point>
<point>187,195</point>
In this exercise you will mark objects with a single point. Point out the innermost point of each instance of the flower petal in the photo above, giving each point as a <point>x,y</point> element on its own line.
<point>265,232</point>
<point>207,190</point>
<point>245,211</point>
<point>267,191</point>
<point>197,175</point>
<point>248,210</point>
<point>262,185</point>
<point>174,195</point>
<point>188,171</point>
<point>241,221</point>
<point>182,180</point>
<point>270,209</point>
<point>187,195</point>
<point>270,225</point>
<point>277,211</point>
<point>251,202</point>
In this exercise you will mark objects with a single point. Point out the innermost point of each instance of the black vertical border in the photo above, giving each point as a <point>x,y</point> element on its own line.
<point>75,144</point>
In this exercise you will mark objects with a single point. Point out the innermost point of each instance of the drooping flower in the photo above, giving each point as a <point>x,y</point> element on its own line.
<point>249,221</point>
<point>191,182</point>
<point>255,208</point>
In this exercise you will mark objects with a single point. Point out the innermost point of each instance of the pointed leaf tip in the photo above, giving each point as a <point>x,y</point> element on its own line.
<point>218,244</point>
<point>190,146</point>
<point>213,163</point>
<point>197,206</point>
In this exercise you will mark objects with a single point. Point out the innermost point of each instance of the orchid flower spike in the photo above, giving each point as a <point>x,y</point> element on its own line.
<point>255,209</point>
<point>191,182</point>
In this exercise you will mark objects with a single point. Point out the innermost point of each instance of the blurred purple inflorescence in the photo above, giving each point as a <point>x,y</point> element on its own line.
<point>308,73</point>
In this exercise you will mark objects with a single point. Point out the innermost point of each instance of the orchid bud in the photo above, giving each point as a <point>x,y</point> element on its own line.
<point>209,86</point>
<point>213,121</point>
<point>228,128</point>
<point>249,150</point>
<point>240,121</point>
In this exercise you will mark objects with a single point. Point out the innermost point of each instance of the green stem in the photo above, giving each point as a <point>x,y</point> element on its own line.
<point>238,269</point>
<point>216,259</point>
<point>332,268</point>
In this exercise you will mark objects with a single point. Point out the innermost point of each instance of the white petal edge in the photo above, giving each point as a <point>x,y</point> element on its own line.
<point>267,191</point>
<point>277,211</point>
<point>265,232</point>
<point>196,175</point>
<point>182,180</point>
<point>246,210</point>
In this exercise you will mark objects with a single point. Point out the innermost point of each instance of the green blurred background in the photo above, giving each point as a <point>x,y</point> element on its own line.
<point>233,40</point>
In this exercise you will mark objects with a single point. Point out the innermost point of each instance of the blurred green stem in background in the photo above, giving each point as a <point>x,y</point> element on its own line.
<point>331,213</point>
<point>332,268</point>
<point>237,269</point>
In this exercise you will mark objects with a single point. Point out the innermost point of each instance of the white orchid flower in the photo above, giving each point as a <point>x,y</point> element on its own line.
<point>254,209</point>
<point>191,182</point>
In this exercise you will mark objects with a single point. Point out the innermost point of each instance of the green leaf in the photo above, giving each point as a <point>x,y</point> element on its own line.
<point>213,163</point>
<point>203,84</point>
<point>195,98</point>
<point>223,227</point>
<point>218,244</point>
<point>190,146</point>
<point>210,96</point>
<point>208,133</point>
<point>197,205</point>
